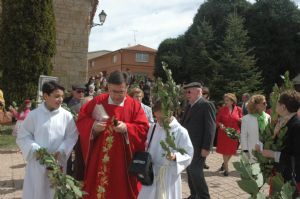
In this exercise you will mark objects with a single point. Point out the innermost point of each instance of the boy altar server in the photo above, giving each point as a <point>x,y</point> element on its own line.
<point>51,127</point>
<point>167,170</point>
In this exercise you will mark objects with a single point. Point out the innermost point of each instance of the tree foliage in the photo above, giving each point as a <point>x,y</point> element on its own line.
<point>236,70</point>
<point>199,48</point>
<point>274,27</point>
<point>273,38</point>
<point>28,45</point>
<point>215,12</point>
<point>171,52</point>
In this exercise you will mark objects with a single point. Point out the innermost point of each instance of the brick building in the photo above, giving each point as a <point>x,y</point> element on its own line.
<point>138,60</point>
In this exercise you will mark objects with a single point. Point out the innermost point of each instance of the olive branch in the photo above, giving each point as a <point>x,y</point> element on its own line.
<point>65,186</point>
<point>169,94</point>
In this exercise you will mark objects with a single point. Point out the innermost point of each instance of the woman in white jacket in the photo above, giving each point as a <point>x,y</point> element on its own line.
<point>255,121</point>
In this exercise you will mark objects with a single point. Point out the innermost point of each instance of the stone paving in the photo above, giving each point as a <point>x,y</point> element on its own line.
<point>12,174</point>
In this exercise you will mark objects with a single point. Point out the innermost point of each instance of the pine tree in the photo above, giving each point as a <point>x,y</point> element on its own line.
<point>236,67</point>
<point>170,51</point>
<point>199,50</point>
<point>28,45</point>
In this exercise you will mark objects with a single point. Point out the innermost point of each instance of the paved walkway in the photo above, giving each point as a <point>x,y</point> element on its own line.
<point>12,174</point>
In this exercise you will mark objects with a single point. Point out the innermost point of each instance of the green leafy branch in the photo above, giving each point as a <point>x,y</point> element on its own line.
<point>267,137</point>
<point>65,186</point>
<point>232,133</point>
<point>252,181</point>
<point>65,106</point>
<point>169,94</point>
<point>264,168</point>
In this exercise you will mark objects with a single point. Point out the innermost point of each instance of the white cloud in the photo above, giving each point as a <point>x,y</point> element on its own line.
<point>151,21</point>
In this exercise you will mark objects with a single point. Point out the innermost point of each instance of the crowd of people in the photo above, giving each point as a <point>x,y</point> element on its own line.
<point>111,122</point>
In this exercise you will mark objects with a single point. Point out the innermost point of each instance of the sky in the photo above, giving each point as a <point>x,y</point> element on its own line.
<point>145,22</point>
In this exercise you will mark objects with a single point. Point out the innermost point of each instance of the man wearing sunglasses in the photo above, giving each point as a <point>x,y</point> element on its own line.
<point>76,100</point>
<point>75,165</point>
<point>199,120</point>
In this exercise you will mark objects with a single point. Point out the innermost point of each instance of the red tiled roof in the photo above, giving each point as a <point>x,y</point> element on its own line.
<point>140,48</point>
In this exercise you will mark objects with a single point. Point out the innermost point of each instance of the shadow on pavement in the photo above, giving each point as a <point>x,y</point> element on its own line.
<point>208,173</point>
<point>10,186</point>
<point>8,152</point>
<point>18,166</point>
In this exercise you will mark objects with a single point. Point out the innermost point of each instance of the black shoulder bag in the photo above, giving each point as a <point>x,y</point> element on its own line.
<point>141,165</point>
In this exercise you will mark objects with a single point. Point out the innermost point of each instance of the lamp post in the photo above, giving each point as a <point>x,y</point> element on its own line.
<point>102,17</point>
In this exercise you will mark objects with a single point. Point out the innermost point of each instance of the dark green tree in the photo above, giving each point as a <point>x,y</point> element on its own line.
<point>170,51</point>
<point>274,31</point>
<point>215,12</point>
<point>28,45</point>
<point>236,70</point>
<point>199,47</point>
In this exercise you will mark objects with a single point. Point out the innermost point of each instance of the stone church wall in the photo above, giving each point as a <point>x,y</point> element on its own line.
<point>72,32</point>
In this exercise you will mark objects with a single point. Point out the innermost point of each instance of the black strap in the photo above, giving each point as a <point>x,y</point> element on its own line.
<point>151,136</point>
<point>293,164</point>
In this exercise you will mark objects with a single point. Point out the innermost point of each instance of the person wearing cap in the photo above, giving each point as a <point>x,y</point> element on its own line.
<point>199,120</point>
<point>20,114</point>
<point>76,100</point>
<point>75,164</point>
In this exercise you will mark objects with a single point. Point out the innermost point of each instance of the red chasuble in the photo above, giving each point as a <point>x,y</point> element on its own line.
<point>114,176</point>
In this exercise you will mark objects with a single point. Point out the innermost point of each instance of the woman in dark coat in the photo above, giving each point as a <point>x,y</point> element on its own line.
<point>287,107</point>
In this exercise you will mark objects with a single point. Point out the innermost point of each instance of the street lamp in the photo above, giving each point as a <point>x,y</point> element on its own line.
<point>102,17</point>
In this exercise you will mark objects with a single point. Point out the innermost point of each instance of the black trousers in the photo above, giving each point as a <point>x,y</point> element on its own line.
<point>196,180</point>
<point>75,167</point>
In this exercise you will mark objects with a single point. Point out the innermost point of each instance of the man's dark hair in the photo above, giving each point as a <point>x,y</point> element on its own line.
<point>49,87</point>
<point>156,106</point>
<point>118,77</point>
<point>291,100</point>
<point>205,91</point>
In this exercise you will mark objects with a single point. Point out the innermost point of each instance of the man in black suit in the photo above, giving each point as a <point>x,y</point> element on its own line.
<point>245,99</point>
<point>199,119</point>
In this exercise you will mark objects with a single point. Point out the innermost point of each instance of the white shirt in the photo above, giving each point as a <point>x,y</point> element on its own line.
<point>250,133</point>
<point>54,130</point>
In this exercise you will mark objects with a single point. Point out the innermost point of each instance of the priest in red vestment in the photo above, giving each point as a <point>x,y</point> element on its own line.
<point>112,128</point>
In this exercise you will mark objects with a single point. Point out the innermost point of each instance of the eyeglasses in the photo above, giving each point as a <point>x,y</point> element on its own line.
<point>118,92</point>
<point>79,91</point>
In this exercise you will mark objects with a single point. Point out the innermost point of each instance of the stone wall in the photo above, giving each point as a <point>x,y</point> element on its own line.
<point>73,19</point>
<point>72,32</point>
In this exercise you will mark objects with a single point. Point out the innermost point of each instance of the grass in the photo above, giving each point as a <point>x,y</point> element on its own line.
<point>7,140</point>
